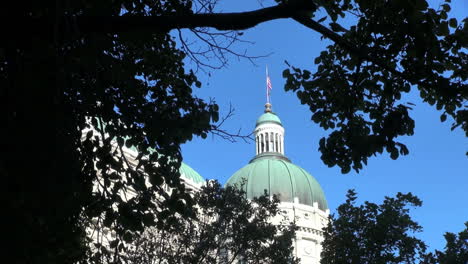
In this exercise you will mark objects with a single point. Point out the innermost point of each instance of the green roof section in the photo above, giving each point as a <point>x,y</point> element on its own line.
<point>281,177</point>
<point>268,117</point>
<point>189,173</point>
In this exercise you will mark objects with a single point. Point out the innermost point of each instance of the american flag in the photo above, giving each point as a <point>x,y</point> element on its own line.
<point>269,87</point>
<point>268,84</point>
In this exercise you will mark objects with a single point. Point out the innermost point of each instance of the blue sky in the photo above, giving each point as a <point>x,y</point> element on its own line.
<point>436,170</point>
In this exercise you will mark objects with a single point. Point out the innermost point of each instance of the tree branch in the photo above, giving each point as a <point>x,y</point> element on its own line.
<point>216,130</point>
<point>163,23</point>
<point>221,21</point>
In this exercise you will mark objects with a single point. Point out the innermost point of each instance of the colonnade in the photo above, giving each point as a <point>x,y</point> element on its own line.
<point>269,142</point>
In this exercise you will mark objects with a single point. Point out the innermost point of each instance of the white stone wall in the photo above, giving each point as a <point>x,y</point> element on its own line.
<point>310,221</point>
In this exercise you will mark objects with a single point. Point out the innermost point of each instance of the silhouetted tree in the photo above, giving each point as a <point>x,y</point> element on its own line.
<point>372,233</point>
<point>385,233</point>
<point>455,251</point>
<point>62,62</point>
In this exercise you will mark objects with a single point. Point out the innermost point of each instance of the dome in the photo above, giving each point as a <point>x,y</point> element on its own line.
<point>268,117</point>
<point>277,175</point>
<point>189,173</point>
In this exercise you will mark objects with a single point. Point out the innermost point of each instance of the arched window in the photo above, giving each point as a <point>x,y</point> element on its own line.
<point>267,142</point>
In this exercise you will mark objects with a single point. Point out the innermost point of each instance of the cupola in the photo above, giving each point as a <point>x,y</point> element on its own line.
<point>269,133</point>
<point>272,171</point>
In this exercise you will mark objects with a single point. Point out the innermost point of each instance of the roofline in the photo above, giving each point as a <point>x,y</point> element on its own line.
<point>272,155</point>
<point>269,121</point>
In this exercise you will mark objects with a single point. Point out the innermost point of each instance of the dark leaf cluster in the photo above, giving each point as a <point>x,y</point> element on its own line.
<point>385,233</point>
<point>455,251</point>
<point>357,91</point>
<point>372,233</point>
<point>63,82</point>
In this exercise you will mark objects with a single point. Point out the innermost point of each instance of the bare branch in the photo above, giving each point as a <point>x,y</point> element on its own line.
<point>232,137</point>
<point>215,46</point>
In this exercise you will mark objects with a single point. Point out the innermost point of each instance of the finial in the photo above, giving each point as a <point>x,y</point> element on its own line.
<point>267,108</point>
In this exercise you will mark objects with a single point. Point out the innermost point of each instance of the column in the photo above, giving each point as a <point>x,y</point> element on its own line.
<point>282,144</point>
<point>276,143</point>
<point>256,145</point>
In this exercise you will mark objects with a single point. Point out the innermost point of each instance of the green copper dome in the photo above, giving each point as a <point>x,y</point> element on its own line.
<point>277,175</point>
<point>268,117</point>
<point>189,173</point>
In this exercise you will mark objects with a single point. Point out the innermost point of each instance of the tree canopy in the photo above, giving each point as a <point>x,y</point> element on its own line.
<point>372,233</point>
<point>385,233</point>
<point>66,61</point>
<point>225,228</point>
<point>455,251</point>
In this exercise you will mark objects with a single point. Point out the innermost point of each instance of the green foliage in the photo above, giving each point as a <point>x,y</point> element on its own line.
<point>356,92</point>
<point>372,233</point>
<point>224,228</point>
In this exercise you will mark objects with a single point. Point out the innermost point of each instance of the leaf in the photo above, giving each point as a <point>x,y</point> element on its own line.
<point>322,19</point>
<point>127,237</point>
<point>89,134</point>
<point>443,29</point>
<point>446,7</point>
<point>453,22</point>
<point>215,117</point>
<point>443,117</point>
<point>120,141</point>
<point>345,169</point>
<point>114,243</point>
<point>421,4</point>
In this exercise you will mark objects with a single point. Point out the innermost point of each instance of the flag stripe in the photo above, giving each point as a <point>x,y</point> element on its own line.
<point>269,87</point>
